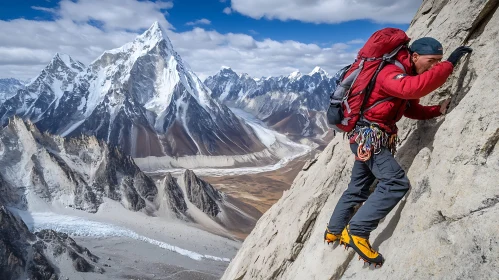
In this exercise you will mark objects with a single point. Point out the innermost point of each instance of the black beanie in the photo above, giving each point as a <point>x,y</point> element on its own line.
<point>427,46</point>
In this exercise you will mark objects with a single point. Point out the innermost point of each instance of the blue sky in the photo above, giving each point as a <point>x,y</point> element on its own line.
<point>321,33</point>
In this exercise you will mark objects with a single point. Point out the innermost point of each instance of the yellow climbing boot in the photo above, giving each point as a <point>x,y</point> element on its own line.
<point>330,237</point>
<point>344,239</point>
<point>362,247</point>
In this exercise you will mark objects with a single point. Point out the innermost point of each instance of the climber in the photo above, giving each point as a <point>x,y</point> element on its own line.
<point>400,90</point>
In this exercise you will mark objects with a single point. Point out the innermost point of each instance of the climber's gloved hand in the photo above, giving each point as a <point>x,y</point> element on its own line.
<point>456,55</point>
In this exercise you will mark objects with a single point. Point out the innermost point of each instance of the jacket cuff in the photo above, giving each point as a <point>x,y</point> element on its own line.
<point>434,111</point>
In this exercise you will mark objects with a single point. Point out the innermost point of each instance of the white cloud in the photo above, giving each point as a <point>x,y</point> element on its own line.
<point>29,45</point>
<point>208,51</point>
<point>116,14</point>
<point>329,11</point>
<point>49,10</point>
<point>199,22</point>
<point>356,42</point>
<point>227,11</point>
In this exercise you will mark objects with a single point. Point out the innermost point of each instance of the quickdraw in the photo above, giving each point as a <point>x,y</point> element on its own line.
<point>372,139</point>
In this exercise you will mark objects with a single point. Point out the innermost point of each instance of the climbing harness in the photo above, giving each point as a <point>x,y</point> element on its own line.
<point>371,139</point>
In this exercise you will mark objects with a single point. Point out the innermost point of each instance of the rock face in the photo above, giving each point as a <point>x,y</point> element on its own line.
<point>77,172</point>
<point>173,196</point>
<point>293,104</point>
<point>24,255</point>
<point>202,194</point>
<point>446,226</point>
<point>60,245</point>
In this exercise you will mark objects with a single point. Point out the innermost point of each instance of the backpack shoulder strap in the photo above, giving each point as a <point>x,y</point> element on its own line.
<point>399,65</point>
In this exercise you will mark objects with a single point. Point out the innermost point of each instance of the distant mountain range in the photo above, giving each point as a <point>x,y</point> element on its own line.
<point>293,104</point>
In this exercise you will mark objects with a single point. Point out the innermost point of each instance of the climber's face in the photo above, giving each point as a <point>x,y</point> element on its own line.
<point>423,63</point>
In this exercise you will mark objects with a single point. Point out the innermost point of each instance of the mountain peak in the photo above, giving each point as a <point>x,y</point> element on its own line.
<point>64,58</point>
<point>319,70</point>
<point>225,70</point>
<point>152,35</point>
<point>245,76</point>
<point>295,75</point>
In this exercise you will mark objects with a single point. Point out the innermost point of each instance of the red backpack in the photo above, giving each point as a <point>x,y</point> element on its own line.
<point>357,80</point>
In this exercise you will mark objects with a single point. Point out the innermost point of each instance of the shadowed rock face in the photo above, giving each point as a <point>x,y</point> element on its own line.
<point>202,194</point>
<point>447,219</point>
<point>24,255</point>
<point>77,172</point>
<point>175,195</point>
<point>61,245</point>
<point>14,238</point>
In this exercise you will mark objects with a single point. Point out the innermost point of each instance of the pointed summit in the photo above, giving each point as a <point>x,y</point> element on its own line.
<point>153,36</point>
<point>319,70</point>
<point>155,31</point>
<point>295,75</point>
<point>65,59</point>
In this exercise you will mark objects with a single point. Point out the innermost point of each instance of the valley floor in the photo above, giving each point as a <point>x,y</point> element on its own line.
<point>260,190</point>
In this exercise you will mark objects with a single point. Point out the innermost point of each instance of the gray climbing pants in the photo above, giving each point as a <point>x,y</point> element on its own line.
<point>392,186</point>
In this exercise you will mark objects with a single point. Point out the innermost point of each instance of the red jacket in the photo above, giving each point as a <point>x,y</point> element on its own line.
<point>406,90</point>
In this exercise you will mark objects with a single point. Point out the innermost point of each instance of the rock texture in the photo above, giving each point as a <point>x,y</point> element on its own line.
<point>202,194</point>
<point>172,196</point>
<point>24,255</point>
<point>76,172</point>
<point>446,227</point>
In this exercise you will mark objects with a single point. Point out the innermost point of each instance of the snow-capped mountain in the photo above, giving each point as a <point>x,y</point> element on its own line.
<point>142,97</point>
<point>9,87</point>
<point>293,104</point>
<point>42,95</point>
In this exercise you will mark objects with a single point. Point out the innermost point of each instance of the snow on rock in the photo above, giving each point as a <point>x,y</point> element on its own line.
<point>44,92</point>
<point>445,227</point>
<point>293,105</point>
<point>9,88</point>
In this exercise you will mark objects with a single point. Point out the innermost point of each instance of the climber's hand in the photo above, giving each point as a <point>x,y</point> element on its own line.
<point>456,55</point>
